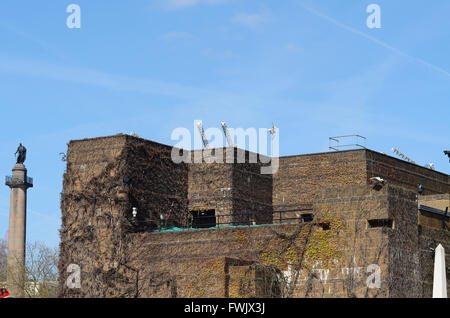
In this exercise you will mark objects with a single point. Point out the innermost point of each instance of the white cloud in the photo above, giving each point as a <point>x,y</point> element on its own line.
<point>86,76</point>
<point>250,19</point>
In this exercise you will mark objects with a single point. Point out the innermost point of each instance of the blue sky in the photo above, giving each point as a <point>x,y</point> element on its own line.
<point>312,67</point>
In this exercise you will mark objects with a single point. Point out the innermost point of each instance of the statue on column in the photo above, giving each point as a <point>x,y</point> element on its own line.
<point>22,151</point>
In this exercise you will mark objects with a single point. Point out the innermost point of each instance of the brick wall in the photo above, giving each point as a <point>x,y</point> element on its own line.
<point>362,245</point>
<point>194,261</point>
<point>299,178</point>
<point>404,266</point>
<point>252,192</point>
<point>233,189</point>
<point>405,174</point>
<point>439,201</point>
<point>99,234</point>
<point>96,203</point>
<point>429,239</point>
<point>210,187</point>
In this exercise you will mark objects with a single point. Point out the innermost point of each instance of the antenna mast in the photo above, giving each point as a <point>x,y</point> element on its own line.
<point>227,134</point>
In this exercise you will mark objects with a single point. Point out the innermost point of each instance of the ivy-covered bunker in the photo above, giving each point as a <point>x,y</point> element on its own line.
<point>316,228</point>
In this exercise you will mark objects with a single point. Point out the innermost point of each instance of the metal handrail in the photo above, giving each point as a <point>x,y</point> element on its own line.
<point>248,218</point>
<point>338,146</point>
<point>10,179</point>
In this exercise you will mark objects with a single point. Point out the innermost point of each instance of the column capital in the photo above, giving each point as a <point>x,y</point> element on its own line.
<point>19,178</point>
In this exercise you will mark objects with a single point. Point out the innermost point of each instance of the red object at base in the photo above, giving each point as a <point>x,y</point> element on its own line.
<point>4,293</point>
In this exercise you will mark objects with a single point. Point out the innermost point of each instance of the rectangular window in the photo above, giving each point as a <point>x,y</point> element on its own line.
<point>202,219</point>
<point>306,218</point>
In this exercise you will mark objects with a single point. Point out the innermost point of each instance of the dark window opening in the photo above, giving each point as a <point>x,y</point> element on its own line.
<point>306,218</point>
<point>381,223</point>
<point>325,226</point>
<point>202,219</point>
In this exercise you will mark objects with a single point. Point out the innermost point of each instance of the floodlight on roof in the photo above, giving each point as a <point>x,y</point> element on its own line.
<point>227,134</point>
<point>401,155</point>
<point>202,133</point>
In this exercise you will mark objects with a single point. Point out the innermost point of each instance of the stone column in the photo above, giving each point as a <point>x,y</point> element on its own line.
<point>19,183</point>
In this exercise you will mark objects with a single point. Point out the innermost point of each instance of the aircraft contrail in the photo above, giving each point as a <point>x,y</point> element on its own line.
<point>373,39</point>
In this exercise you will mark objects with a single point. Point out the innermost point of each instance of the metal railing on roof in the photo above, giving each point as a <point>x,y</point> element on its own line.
<point>356,141</point>
<point>245,219</point>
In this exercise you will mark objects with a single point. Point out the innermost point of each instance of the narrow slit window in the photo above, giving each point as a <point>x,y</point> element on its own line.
<point>376,223</point>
